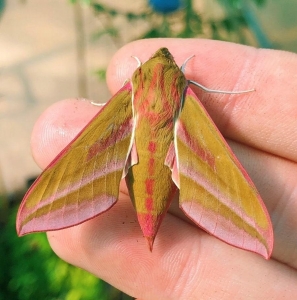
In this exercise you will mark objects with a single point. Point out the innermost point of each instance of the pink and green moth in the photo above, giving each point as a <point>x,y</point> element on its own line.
<point>156,134</point>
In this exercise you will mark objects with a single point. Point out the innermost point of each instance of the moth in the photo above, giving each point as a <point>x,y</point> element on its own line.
<point>155,133</point>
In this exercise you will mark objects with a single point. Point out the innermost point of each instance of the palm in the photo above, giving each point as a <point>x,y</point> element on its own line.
<point>187,263</point>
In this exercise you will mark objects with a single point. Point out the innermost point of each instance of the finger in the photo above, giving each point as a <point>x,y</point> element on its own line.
<point>186,263</point>
<point>57,126</point>
<point>265,119</point>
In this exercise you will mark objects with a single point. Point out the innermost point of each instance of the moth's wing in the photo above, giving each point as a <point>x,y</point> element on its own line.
<point>83,180</point>
<point>215,191</point>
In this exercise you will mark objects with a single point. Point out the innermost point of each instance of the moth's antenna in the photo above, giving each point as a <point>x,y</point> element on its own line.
<point>183,67</point>
<point>202,87</point>
<point>205,89</point>
<point>138,60</point>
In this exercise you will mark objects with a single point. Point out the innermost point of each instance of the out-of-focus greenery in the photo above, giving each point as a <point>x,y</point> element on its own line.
<point>234,21</point>
<point>180,18</point>
<point>31,270</point>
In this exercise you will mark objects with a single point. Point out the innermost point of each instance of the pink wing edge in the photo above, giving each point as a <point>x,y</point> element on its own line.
<point>20,229</point>
<point>266,253</point>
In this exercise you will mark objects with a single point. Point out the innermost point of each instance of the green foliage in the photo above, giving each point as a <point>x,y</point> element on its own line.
<point>2,6</point>
<point>101,74</point>
<point>30,270</point>
<point>238,3</point>
<point>186,22</point>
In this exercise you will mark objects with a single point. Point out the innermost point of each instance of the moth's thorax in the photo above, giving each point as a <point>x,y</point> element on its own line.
<point>158,87</point>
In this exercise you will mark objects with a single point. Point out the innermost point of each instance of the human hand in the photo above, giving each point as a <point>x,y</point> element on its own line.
<point>186,262</point>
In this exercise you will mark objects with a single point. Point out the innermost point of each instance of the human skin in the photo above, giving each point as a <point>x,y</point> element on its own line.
<point>187,263</point>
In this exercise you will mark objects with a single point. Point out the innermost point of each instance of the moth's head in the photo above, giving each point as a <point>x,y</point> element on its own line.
<point>163,53</point>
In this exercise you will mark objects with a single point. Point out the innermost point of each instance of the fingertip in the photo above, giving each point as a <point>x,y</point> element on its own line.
<point>57,126</point>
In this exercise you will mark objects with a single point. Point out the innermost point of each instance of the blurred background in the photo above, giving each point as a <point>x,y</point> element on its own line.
<point>56,49</point>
